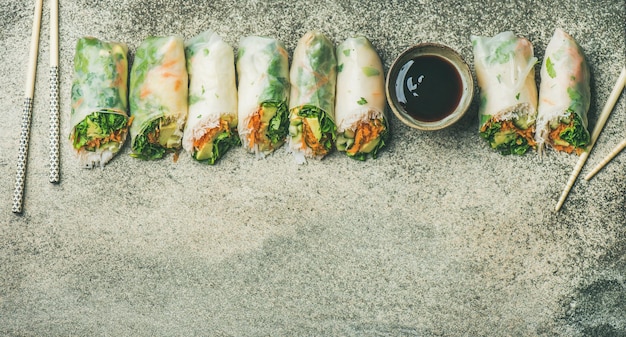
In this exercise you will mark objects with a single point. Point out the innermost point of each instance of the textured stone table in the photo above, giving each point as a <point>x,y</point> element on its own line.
<point>440,236</point>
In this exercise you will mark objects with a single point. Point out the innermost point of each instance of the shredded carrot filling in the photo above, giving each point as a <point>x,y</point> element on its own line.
<point>556,135</point>
<point>255,126</point>
<point>366,132</point>
<point>308,138</point>
<point>198,143</point>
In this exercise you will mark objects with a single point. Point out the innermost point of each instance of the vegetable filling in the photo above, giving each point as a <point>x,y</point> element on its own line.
<point>215,142</point>
<point>269,126</point>
<point>368,138</point>
<point>100,130</point>
<point>508,138</point>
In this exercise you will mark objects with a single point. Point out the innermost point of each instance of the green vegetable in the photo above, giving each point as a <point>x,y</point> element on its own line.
<point>550,68</point>
<point>143,148</point>
<point>362,101</point>
<point>327,126</point>
<point>97,125</point>
<point>370,71</point>
<point>505,142</point>
<point>576,134</point>
<point>278,126</point>
<point>218,147</point>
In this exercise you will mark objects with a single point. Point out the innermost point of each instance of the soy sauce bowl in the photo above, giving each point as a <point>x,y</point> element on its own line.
<point>429,86</point>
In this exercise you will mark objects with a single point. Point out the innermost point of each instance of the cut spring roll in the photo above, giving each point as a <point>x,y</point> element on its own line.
<point>211,128</point>
<point>360,104</point>
<point>158,97</point>
<point>564,96</point>
<point>508,93</point>
<point>313,77</point>
<point>263,69</point>
<point>99,116</point>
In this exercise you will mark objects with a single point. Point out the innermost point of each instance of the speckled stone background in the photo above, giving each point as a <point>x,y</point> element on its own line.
<point>438,237</point>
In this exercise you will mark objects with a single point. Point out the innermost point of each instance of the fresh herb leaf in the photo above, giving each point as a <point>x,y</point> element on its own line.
<point>370,71</point>
<point>362,101</point>
<point>143,148</point>
<point>576,134</point>
<point>550,68</point>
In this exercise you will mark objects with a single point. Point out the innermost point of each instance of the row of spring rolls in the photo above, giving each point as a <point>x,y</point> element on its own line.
<point>514,117</point>
<point>187,95</point>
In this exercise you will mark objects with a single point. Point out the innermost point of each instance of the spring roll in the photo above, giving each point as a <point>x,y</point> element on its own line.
<point>211,129</point>
<point>508,93</point>
<point>360,104</point>
<point>158,97</point>
<point>99,115</point>
<point>564,96</point>
<point>263,69</point>
<point>313,77</point>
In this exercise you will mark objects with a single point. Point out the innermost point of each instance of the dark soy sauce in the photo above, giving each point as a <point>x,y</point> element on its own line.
<point>429,88</point>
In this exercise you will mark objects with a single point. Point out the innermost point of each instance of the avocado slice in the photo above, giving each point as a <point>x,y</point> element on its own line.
<point>314,124</point>
<point>205,152</point>
<point>268,113</point>
<point>503,138</point>
<point>523,122</point>
<point>370,146</point>
<point>166,133</point>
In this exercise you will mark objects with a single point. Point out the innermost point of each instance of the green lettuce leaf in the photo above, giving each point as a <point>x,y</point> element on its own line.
<point>278,127</point>
<point>576,134</point>
<point>145,150</point>
<point>99,124</point>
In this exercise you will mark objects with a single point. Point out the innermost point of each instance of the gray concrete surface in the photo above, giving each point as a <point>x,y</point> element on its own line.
<point>438,237</point>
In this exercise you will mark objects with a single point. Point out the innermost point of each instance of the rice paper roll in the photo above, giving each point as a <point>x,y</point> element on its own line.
<point>360,104</point>
<point>263,69</point>
<point>99,112</point>
<point>158,97</point>
<point>564,96</point>
<point>505,72</point>
<point>313,77</point>
<point>211,128</point>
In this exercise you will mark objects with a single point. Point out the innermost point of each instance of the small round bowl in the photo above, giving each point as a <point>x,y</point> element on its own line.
<point>464,94</point>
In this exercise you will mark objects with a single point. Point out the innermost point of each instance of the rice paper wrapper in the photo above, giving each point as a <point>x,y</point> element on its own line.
<point>158,85</point>
<point>565,92</point>
<point>263,70</point>
<point>313,77</point>
<point>504,66</point>
<point>360,84</point>
<point>360,101</point>
<point>505,72</point>
<point>212,86</point>
<point>100,84</point>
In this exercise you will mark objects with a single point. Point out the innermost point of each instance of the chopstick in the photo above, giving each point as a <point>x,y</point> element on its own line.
<point>29,90</point>
<point>607,159</point>
<point>608,107</point>
<point>54,91</point>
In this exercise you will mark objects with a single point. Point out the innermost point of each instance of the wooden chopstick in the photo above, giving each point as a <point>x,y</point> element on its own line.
<point>29,91</point>
<point>608,107</point>
<point>607,159</point>
<point>54,91</point>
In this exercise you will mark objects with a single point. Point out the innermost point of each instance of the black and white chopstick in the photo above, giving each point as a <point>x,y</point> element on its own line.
<point>27,110</point>
<point>54,91</point>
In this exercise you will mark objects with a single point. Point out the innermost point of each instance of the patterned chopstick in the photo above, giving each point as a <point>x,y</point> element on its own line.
<point>54,91</point>
<point>27,110</point>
